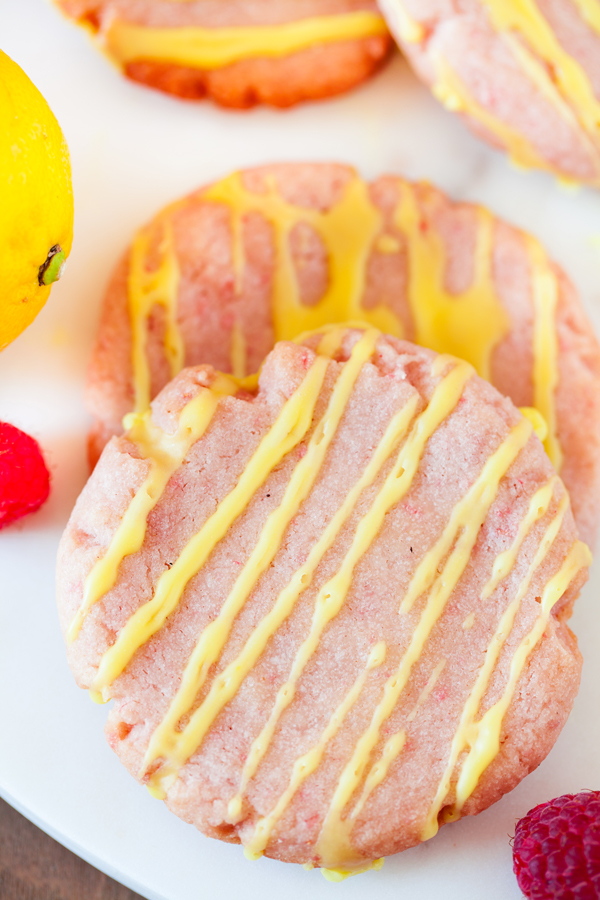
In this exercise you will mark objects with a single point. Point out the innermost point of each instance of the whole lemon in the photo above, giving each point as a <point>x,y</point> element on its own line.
<point>36,200</point>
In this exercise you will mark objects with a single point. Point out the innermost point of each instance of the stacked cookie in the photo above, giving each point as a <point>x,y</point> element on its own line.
<point>329,601</point>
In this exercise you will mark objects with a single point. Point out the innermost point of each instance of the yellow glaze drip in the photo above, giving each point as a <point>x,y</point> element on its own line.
<point>462,530</point>
<point>348,231</point>
<point>288,430</point>
<point>468,325</point>
<point>469,621</point>
<point>545,345</point>
<point>485,741</point>
<point>228,682</point>
<point>238,352</point>
<point>340,874</point>
<point>146,289</point>
<point>391,750</point>
<point>505,561</point>
<point>568,82</point>
<point>590,12</point>
<point>453,93</point>
<point>212,48</point>
<point>410,31</point>
<point>309,762</point>
<point>332,595</point>
<point>466,518</point>
<point>166,453</point>
<point>537,420</point>
<point>164,740</point>
<point>467,730</point>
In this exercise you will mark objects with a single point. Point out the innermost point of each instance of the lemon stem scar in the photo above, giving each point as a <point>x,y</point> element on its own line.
<point>52,268</point>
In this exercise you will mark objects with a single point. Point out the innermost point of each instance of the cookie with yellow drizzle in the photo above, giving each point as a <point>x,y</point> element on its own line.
<point>329,608</point>
<point>525,74</point>
<point>266,254</point>
<point>239,52</point>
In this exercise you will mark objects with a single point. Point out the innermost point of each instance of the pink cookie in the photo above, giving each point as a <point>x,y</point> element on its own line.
<point>330,611</point>
<point>525,74</point>
<point>264,255</point>
<point>240,52</point>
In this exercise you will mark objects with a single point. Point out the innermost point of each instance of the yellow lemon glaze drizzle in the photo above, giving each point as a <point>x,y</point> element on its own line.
<point>469,513</point>
<point>166,453</point>
<point>545,345</point>
<point>348,231</point>
<point>409,29</point>
<point>524,18</point>
<point>334,845</point>
<point>214,636</point>
<point>236,671</point>
<point>590,12</point>
<point>453,93</point>
<point>288,430</point>
<point>146,289</point>
<point>486,739</point>
<point>502,567</point>
<point>505,561</point>
<point>332,595</point>
<point>238,351</point>
<point>468,325</point>
<point>537,420</point>
<point>393,746</point>
<point>306,764</point>
<point>212,48</point>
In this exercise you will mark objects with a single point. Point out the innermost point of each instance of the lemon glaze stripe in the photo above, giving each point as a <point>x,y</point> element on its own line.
<point>469,324</point>
<point>212,48</point>
<point>334,842</point>
<point>524,17</point>
<point>306,764</point>
<point>572,96</point>
<point>165,452</point>
<point>330,597</point>
<point>502,567</point>
<point>287,431</point>
<point>236,671</point>
<point>394,745</point>
<point>590,12</point>
<point>487,742</point>
<point>212,640</point>
<point>146,289</point>
<point>347,230</point>
<point>545,346</point>
<point>453,93</point>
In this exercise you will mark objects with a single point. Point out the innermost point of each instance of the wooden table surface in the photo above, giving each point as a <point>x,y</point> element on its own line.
<point>35,867</point>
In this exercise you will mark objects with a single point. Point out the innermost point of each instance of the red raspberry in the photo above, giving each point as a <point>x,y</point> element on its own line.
<point>24,478</point>
<point>556,851</point>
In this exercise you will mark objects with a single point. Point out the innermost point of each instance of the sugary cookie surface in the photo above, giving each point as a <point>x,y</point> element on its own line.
<point>266,254</point>
<point>524,73</point>
<point>330,610</point>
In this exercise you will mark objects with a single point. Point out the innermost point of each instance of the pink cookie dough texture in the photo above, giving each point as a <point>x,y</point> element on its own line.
<point>210,301</point>
<point>453,458</point>
<point>518,106</point>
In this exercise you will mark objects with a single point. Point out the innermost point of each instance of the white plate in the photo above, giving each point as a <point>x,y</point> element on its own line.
<point>132,151</point>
